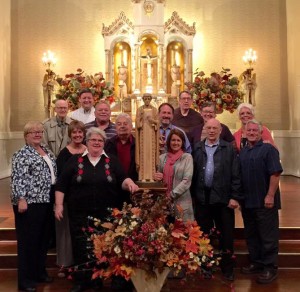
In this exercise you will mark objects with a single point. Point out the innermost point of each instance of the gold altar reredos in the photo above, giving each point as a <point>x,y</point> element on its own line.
<point>148,54</point>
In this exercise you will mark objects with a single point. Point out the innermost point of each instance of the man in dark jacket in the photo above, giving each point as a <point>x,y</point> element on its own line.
<point>216,189</point>
<point>122,145</point>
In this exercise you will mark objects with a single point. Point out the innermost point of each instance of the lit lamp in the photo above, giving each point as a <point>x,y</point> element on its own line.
<point>249,59</point>
<point>49,81</point>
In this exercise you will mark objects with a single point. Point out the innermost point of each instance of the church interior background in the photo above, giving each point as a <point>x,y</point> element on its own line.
<point>151,46</point>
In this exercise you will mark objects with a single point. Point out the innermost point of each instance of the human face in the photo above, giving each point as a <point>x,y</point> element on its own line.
<point>102,112</point>
<point>147,99</point>
<point>61,108</point>
<point>175,143</point>
<point>165,115</point>
<point>253,133</point>
<point>123,127</point>
<point>185,101</point>
<point>95,144</point>
<point>77,136</point>
<point>86,100</point>
<point>213,129</point>
<point>208,113</point>
<point>34,136</point>
<point>245,115</point>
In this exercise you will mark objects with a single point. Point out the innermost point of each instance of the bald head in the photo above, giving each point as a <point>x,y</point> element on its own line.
<point>61,108</point>
<point>213,129</point>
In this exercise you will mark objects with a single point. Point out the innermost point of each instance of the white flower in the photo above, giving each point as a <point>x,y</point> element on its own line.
<point>117,249</point>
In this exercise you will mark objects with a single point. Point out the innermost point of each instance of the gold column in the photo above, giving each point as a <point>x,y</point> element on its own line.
<point>137,67</point>
<point>190,65</point>
<point>160,67</point>
<point>107,65</point>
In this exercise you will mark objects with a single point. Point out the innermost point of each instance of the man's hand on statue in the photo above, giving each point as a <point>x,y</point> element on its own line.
<point>158,176</point>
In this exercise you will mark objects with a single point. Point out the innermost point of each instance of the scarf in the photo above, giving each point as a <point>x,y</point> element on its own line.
<point>168,172</point>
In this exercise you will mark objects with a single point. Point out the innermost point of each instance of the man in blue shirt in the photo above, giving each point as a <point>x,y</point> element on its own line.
<point>166,115</point>
<point>261,168</point>
<point>216,189</point>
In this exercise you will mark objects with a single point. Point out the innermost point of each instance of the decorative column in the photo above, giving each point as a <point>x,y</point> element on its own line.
<point>190,65</point>
<point>160,68</point>
<point>107,65</point>
<point>137,67</point>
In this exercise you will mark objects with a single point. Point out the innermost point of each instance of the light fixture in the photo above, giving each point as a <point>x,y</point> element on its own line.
<point>49,59</point>
<point>250,58</point>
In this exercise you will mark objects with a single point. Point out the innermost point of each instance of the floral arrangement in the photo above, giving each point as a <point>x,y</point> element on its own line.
<point>70,86</point>
<point>146,236</point>
<point>220,88</point>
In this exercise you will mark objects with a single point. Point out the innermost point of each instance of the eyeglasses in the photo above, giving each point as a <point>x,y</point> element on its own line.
<point>208,112</point>
<point>96,140</point>
<point>61,108</point>
<point>36,133</point>
<point>186,98</point>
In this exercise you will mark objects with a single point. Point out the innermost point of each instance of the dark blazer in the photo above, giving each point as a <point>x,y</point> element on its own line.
<point>226,180</point>
<point>111,148</point>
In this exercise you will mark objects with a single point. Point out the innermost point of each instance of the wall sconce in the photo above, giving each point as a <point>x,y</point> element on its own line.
<point>49,81</point>
<point>250,58</point>
<point>49,59</point>
<point>249,78</point>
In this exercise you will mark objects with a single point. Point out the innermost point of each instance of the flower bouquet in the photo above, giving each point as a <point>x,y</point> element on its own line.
<point>147,237</point>
<point>220,88</point>
<point>70,86</point>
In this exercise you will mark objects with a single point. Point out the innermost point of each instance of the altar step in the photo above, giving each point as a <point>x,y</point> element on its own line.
<point>289,249</point>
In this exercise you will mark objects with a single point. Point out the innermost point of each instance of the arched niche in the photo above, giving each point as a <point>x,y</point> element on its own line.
<point>122,68</point>
<point>175,66</point>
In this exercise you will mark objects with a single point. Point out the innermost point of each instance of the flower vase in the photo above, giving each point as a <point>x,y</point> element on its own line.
<point>144,284</point>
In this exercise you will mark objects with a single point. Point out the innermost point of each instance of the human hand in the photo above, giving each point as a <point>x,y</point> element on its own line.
<point>22,206</point>
<point>158,176</point>
<point>233,204</point>
<point>58,212</point>
<point>269,201</point>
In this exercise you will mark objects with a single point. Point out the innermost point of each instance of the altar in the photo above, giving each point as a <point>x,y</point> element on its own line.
<point>148,55</point>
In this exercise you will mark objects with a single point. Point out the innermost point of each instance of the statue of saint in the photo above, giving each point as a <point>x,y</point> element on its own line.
<point>175,75</point>
<point>50,86</point>
<point>149,59</point>
<point>248,83</point>
<point>122,75</point>
<point>147,140</point>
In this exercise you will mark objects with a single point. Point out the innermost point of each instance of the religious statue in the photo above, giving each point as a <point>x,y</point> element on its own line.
<point>147,140</point>
<point>248,82</point>
<point>122,75</point>
<point>149,59</point>
<point>175,75</point>
<point>49,88</point>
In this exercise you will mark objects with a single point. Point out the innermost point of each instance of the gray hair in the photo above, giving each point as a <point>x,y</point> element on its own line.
<point>247,105</point>
<point>95,130</point>
<point>125,116</point>
<point>255,122</point>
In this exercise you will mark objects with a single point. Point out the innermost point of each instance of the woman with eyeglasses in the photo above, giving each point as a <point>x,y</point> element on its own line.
<point>32,180</point>
<point>92,183</point>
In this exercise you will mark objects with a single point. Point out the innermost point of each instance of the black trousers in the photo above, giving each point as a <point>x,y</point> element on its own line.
<point>262,235</point>
<point>32,229</point>
<point>78,219</point>
<point>221,217</point>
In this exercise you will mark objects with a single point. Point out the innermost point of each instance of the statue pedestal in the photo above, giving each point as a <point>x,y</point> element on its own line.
<point>151,185</point>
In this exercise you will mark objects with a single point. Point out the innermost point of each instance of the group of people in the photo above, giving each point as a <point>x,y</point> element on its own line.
<point>85,164</point>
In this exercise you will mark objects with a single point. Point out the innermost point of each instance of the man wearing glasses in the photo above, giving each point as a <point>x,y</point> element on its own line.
<point>56,128</point>
<point>184,116</point>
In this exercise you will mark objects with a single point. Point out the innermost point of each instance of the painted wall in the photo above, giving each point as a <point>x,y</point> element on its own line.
<point>225,29</point>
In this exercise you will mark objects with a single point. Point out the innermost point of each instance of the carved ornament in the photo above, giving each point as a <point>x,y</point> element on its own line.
<point>180,24</point>
<point>116,25</point>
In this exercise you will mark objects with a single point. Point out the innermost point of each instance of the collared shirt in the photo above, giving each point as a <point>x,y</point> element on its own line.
<point>83,116</point>
<point>94,162</point>
<point>110,130</point>
<point>210,167</point>
<point>166,131</point>
<point>124,153</point>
